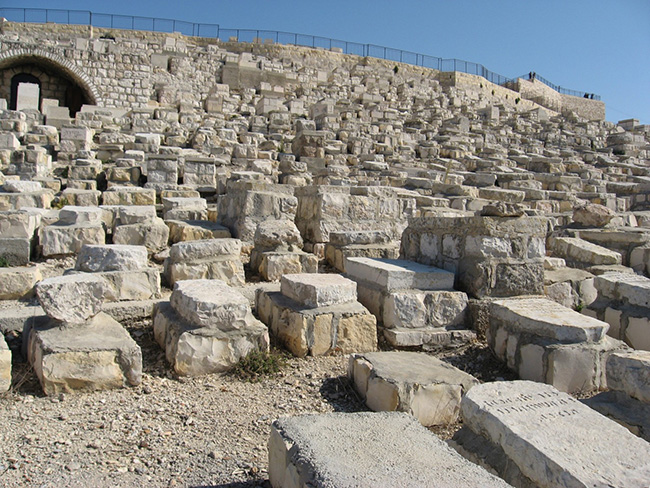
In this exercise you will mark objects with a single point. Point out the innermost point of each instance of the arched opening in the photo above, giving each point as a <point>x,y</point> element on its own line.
<point>56,79</point>
<point>25,92</point>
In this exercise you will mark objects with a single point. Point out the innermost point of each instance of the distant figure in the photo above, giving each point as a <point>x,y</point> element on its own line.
<point>586,95</point>
<point>534,74</point>
<point>592,96</point>
<point>530,75</point>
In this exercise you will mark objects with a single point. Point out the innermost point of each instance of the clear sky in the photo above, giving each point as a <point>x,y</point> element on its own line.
<point>595,46</point>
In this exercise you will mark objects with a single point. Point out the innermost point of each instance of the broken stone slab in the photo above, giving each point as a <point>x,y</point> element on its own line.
<point>528,433</point>
<point>138,284</point>
<point>129,196</point>
<point>153,235</point>
<point>97,356</point>
<point>412,382</point>
<point>63,240</point>
<point>628,288</point>
<point>272,234</point>
<point>545,318</point>
<point>341,328</point>
<point>359,450</point>
<point>18,282</point>
<point>72,215</point>
<point>593,215</point>
<point>211,304</point>
<point>582,253</point>
<point>194,350</point>
<point>314,290</point>
<point>418,309</point>
<point>73,299</point>
<point>113,257</point>
<point>5,364</point>
<point>429,337</point>
<point>275,264</point>
<point>629,412</point>
<point>398,274</point>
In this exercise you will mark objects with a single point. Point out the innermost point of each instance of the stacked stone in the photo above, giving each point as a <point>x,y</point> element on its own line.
<point>415,304</point>
<point>125,173</point>
<point>624,303</point>
<point>76,226</point>
<point>80,348</point>
<point>207,327</point>
<point>317,314</point>
<point>18,235</point>
<point>278,251</point>
<point>138,225</point>
<point>125,271</point>
<point>205,259</point>
<point>18,194</point>
<point>184,208</point>
<point>368,244</point>
<point>162,172</point>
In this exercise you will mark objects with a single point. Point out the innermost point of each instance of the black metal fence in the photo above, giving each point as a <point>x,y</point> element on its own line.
<point>130,22</point>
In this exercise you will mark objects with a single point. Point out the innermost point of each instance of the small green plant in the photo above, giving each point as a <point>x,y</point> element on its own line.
<point>259,364</point>
<point>60,203</point>
<point>580,306</point>
<point>3,262</point>
<point>517,100</point>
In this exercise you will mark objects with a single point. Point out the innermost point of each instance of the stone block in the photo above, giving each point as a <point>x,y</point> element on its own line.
<point>16,251</point>
<point>637,333</point>
<point>74,214</point>
<point>341,328</point>
<point>416,383</point>
<point>211,304</point>
<point>629,372</point>
<point>419,309</point>
<point>528,433</point>
<point>97,356</point>
<point>581,252</point>
<point>62,240</point>
<point>72,299</point>
<point>195,230</point>
<point>194,350</point>
<point>129,196</point>
<point>315,290</point>
<point>18,282</point>
<point>274,265</point>
<point>115,257</point>
<point>205,259</point>
<point>5,365</point>
<point>398,274</point>
<point>153,235</point>
<point>360,449</point>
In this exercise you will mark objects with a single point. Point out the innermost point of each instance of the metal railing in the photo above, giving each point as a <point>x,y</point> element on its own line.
<point>130,22</point>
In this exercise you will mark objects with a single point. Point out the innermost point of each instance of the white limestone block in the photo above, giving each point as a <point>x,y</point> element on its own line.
<point>318,290</point>
<point>73,299</point>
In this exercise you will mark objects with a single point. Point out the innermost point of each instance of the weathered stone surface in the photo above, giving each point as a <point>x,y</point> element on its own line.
<point>578,251</point>
<point>341,328</point>
<point>62,240</point>
<point>192,251</point>
<point>18,282</point>
<point>315,290</point>
<point>593,215</point>
<point>196,350</point>
<point>98,356</point>
<point>153,235</point>
<point>73,299</point>
<point>545,318</point>
<point>418,309</point>
<point>416,383</point>
<point>116,257</point>
<point>397,274</point>
<point>626,287</point>
<point>5,365</point>
<point>275,264</point>
<point>538,428</point>
<point>194,230</point>
<point>206,259</point>
<point>359,449</point>
<point>630,372</point>
<point>211,303</point>
<point>272,234</point>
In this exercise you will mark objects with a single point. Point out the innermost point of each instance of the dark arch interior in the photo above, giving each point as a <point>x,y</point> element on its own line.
<point>17,80</point>
<point>54,82</point>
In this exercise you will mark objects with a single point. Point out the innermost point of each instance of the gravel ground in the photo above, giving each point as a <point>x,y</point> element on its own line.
<point>171,431</point>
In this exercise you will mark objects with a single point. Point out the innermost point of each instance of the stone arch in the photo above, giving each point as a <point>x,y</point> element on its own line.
<point>65,69</point>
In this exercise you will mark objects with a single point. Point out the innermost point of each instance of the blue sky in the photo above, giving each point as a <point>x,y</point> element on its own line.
<point>595,46</point>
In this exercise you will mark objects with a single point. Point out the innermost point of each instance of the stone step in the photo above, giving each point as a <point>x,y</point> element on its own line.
<point>581,252</point>
<point>548,438</point>
<point>398,274</point>
<point>386,449</point>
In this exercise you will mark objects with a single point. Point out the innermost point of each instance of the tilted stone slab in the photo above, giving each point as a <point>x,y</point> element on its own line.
<point>397,274</point>
<point>545,318</point>
<point>194,351</point>
<point>115,257</point>
<point>553,439</point>
<point>628,288</point>
<point>412,382</point>
<point>386,449</point>
<point>18,282</point>
<point>97,356</point>
<point>73,298</point>
<point>211,303</point>
<point>576,250</point>
<point>315,290</point>
<point>5,365</point>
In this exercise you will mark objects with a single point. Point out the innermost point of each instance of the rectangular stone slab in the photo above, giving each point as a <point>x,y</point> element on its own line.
<point>318,290</point>
<point>554,439</point>
<point>398,274</point>
<point>385,449</point>
<point>545,318</point>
